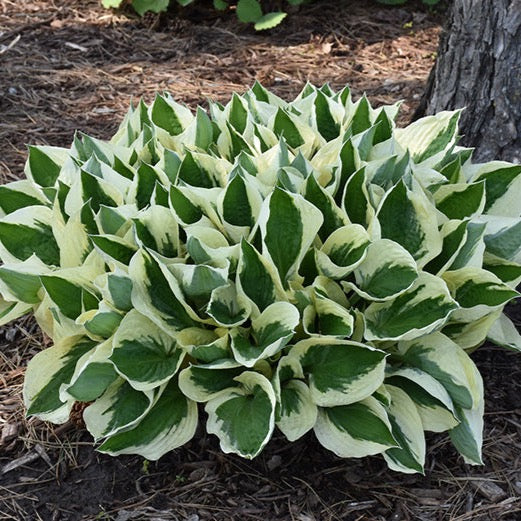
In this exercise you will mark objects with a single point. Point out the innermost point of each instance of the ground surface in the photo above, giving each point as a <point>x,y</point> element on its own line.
<point>67,65</point>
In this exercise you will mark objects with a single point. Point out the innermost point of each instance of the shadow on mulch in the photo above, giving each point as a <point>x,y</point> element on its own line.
<point>76,66</point>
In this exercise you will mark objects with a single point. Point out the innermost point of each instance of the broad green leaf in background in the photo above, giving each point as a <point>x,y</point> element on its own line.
<point>249,10</point>
<point>269,20</point>
<point>156,6</point>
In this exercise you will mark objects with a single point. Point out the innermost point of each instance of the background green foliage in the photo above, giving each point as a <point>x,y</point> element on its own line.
<point>248,11</point>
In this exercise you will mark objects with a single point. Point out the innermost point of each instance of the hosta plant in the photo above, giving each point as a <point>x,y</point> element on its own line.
<point>300,266</point>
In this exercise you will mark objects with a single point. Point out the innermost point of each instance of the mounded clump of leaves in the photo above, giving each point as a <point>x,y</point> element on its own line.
<point>303,265</point>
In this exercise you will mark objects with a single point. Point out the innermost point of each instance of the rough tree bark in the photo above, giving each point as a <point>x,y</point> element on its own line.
<point>479,67</point>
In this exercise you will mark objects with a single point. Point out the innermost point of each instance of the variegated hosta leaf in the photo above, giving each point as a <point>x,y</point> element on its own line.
<point>98,191</point>
<point>343,251</point>
<point>93,373</point>
<point>207,245</point>
<point>257,278</point>
<point>169,115</point>
<point>46,372</point>
<point>428,137</point>
<point>471,252</point>
<point>240,205</point>
<point>270,332</point>
<point>509,272</point>
<point>44,164</point>
<point>157,229</point>
<point>185,210</point>
<point>101,322</point>
<point>387,270</point>
<point>116,288</point>
<point>296,134</point>
<point>339,372</point>
<point>503,237</point>
<point>205,345</point>
<point>10,311</point>
<point>467,437</point>
<point>228,307</point>
<point>445,361</point>
<point>334,218</point>
<point>504,333</point>
<point>197,282</point>
<point>156,293</point>
<point>115,250</point>
<point>26,232</point>
<point>118,409</point>
<point>170,423</point>
<point>21,281</point>
<point>470,335</point>
<point>407,430</point>
<point>458,201</point>
<point>298,412</point>
<point>502,185</point>
<point>288,224</point>
<point>327,317</point>
<point>419,310</point>
<point>355,198</point>
<point>143,354</point>
<point>114,221</point>
<point>408,218</point>
<point>71,297</point>
<point>243,417</point>
<point>355,430</point>
<point>72,239</point>
<point>206,381</point>
<point>53,323</point>
<point>454,238</point>
<point>430,397</point>
<point>477,292</point>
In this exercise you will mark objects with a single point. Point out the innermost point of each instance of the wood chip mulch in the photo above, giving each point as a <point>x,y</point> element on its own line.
<point>68,65</point>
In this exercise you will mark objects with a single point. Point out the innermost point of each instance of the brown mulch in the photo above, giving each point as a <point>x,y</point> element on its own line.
<point>68,65</point>
<point>77,66</point>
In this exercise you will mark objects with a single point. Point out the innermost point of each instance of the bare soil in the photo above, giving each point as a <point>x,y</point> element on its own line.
<point>68,65</point>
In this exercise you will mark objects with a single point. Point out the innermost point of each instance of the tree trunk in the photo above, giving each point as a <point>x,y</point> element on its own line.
<point>479,67</point>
